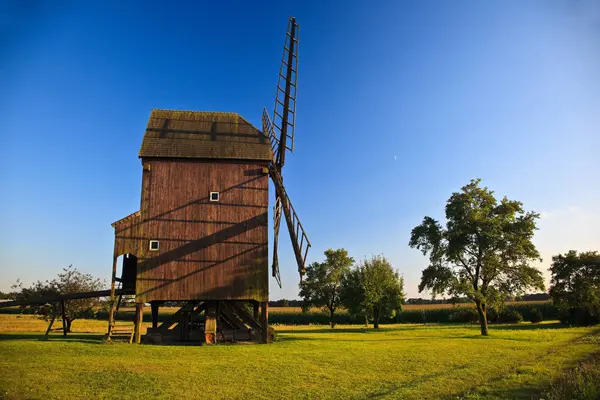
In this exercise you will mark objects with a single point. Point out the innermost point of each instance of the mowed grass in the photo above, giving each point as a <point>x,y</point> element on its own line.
<point>349,362</point>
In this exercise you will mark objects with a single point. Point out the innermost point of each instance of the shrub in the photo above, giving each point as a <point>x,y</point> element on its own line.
<point>464,315</point>
<point>535,316</point>
<point>509,316</point>
<point>582,316</point>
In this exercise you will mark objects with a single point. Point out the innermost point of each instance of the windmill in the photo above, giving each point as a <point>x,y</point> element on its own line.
<point>281,133</point>
<point>200,237</point>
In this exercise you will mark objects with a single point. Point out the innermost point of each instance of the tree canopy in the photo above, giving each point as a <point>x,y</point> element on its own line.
<point>70,280</point>
<point>575,286</point>
<point>322,285</point>
<point>373,289</point>
<point>484,251</point>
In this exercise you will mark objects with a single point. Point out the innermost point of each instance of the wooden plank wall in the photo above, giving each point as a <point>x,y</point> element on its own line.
<point>208,250</point>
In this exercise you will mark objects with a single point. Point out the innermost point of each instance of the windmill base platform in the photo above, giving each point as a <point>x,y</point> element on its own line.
<point>207,322</point>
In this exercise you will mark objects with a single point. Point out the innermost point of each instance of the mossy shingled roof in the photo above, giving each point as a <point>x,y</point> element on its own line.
<point>199,134</point>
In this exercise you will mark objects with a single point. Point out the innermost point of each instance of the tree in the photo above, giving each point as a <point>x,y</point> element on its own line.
<point>322,285</point>
<point>575,286</point>
<point>483,252</point>
<point>373,289</point>
<point>70,280</point>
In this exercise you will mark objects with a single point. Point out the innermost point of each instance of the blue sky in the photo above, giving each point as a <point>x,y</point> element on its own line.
<point>399,105</point>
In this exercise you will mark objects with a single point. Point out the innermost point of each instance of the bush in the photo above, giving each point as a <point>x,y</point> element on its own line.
<point>464,315</point>
<point>536,316</point>
<point>581,316</point>
<point>508,316</point>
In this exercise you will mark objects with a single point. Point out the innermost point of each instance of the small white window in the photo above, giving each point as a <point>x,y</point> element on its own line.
<point>154,245</point>
<point>214,196</point>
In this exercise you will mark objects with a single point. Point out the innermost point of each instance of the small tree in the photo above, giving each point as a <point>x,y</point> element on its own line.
<point>322,285</point>
<point>575,286</point>
<point>373,289</point>
<point>69,281</point>
<point>483,253</point>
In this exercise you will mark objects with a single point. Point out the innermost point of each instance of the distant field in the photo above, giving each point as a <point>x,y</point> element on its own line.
<point>398,361</point>
<point>429,313</point>
<point>404,307</point>
<point>415,306</point>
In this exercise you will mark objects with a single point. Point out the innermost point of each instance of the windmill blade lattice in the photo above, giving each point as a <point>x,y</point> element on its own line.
<point>276,224</point>
<point>284,114</point>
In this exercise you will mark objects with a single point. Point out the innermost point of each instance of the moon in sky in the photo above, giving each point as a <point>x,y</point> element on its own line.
<point>394,157</point>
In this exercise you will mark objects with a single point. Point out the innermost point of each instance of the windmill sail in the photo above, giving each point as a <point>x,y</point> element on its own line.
<point>300,241</point>
<point>280,132</point>
<point>284,114</point>
<point>276,224</point>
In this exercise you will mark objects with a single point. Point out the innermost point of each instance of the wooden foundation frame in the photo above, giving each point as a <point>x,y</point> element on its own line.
<point>139,316</point>
<point>210,322</point>
<point>264,321</point>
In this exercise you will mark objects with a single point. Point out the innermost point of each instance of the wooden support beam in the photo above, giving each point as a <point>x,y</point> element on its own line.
<point>255,313</point>
<point>154,306</point>
<point>50,324</point>
<point>139,315</point>
<point>245,316</point>
<point>184,322</point>
<point>210,323</point>
<point>113,299</point>
<point>264,319</point>
<point>63,311</point>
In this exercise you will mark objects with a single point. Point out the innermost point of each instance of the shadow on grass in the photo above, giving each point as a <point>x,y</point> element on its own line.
<point>527,327</point>
<point>93,338</point>
<point>351,330</point>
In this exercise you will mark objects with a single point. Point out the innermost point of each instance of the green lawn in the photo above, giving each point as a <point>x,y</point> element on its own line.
<point>398,361</point>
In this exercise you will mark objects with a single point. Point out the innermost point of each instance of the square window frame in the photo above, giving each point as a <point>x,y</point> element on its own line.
<point>151,243</point>
<point>210,197</point>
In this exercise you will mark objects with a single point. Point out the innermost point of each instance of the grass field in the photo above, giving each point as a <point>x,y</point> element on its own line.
<point>398,361</point>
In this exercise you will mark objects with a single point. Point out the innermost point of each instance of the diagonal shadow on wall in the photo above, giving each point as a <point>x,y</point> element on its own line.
<point>202,243</point>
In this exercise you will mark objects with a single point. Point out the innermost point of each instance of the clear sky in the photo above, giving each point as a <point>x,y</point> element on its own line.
<point>400,103</point>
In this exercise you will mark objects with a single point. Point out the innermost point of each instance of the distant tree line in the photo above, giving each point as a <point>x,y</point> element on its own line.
<point>463,300</point>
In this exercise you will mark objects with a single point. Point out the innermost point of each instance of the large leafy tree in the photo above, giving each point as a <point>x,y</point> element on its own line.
<point>373,289</point>
<point>322,285</point>
<point>575,286</point>
<point>70,280</point>
<point>484,252</point>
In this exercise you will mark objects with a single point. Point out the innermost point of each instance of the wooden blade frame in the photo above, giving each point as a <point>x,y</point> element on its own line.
<point>300,241</point>
<point>284,114</point>
<point>281,135</point>
<point>276,224</point>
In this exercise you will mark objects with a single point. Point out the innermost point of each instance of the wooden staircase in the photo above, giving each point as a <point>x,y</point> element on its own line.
<point>123,332</point>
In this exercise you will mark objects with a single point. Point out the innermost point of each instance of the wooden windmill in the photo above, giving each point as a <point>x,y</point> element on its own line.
<point>200,238</point>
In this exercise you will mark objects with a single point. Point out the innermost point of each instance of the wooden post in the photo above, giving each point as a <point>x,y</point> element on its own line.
<point>64,317</point>
<point>264,321</point>
<point>210,322</point>
<point>113,299</point>
<point>184,320</point>
<point>154,306</point>
<point>50,324</point>
<point>139,316</point>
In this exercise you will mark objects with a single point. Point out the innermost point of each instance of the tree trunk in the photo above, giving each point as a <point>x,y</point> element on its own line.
<point>69,322</point>
<point>331,321</point>
<point>482,318</point>
<point>376,317</point>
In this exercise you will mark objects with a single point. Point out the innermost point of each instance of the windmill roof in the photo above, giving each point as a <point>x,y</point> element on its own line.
<point>200,134</point>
